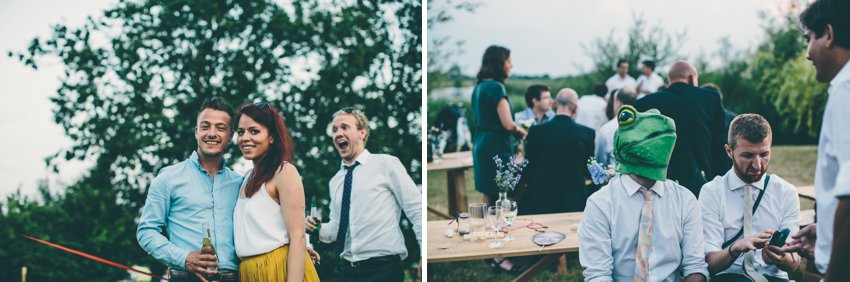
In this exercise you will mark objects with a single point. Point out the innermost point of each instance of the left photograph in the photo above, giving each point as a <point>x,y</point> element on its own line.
<point>211,141</point>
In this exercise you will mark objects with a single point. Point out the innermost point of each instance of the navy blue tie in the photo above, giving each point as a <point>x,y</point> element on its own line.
<point>346,206</point>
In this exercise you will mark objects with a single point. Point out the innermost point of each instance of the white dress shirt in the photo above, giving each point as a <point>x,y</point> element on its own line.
<point>722,201</point>
<point>604,147</point>
<point>833,150</point>
<point>381,189</point>
<point>591,111</point>
<point>649,83</point>
<point>608,235</point>
<point>615,82</point>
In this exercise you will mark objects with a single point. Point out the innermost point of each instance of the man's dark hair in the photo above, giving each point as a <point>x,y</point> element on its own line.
<point>752,127</point>
<point>712,86</point>
<point>829,12</point>
<point>600,89</point>
<point>649,64</point>
<point>627,96</point>
<point>218,104</point>
<point>533,92</point>
<point>620,62</point>
<point>493,64</point>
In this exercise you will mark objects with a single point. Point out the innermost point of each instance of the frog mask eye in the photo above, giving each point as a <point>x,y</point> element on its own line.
<point>627,116</point>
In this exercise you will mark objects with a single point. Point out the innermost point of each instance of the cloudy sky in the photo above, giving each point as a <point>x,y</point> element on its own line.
<point>546,36</point>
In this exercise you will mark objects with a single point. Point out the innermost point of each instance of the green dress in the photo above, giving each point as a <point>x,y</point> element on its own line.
<point>491,138</point>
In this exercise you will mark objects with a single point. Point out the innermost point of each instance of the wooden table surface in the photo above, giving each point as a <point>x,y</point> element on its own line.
<point>443,249</point>
<point>450,161</point>
<point>807,192</point>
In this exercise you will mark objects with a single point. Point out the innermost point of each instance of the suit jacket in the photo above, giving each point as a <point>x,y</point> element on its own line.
<point>700,122</point>
<point>557,153</point>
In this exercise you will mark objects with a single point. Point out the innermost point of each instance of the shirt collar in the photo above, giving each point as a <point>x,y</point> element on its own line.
<point>735,182</point>
<point>633,187</point>
<point>195,160</point>
<point>363,158</point>
<point>842,76</point>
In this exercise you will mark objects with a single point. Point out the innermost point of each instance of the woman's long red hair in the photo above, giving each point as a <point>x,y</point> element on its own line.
<point>280,151</point>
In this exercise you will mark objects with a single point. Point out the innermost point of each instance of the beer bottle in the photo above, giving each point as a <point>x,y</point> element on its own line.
<point>208,249</point>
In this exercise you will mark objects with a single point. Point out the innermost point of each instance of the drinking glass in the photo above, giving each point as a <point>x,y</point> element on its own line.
<point>477,214</point>
<point>509,212</point>
<point>494,217</point>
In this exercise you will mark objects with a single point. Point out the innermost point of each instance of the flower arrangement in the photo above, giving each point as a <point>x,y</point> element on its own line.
<point>508,174</point>
<point>438,139</point>
<point>599,174</point>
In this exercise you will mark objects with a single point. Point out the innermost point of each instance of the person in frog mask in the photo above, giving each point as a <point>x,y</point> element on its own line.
<point>642,226</point>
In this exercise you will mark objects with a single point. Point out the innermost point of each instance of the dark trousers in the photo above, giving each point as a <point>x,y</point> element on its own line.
<point>732,277</point>
<point>387,268</point>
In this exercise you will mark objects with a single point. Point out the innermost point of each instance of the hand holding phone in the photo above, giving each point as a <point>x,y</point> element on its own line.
<point>779,237</point>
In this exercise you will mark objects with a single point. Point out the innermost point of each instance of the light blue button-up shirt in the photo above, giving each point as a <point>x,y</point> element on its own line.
<point>181,199</point>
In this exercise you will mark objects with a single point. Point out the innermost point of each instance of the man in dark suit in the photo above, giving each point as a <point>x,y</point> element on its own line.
<point>557,153</point>
<point>700,121</point>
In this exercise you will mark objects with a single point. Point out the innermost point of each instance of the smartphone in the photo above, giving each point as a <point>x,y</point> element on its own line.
<point>779,237</point>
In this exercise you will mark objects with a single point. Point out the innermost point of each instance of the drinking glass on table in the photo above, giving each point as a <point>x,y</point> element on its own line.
<point>509,212</point>
<point>494,217</point>
<point>477,214</point>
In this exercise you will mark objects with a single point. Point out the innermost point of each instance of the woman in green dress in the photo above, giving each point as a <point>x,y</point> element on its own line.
<point>492,112</point>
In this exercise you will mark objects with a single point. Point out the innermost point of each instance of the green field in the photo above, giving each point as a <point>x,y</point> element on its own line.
<point>793,163</point>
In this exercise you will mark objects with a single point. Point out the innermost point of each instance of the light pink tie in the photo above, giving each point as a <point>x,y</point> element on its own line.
<point>644,237</point>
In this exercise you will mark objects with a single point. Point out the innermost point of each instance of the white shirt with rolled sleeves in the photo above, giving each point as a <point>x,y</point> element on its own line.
<point>609,232</point>
<point>833,151</point>
<point>616,82</point>
<point>722,201</point>
<point>649,83</point>
<point>380,191</point>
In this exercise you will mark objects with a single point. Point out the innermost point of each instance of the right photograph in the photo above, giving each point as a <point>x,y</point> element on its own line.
<point>638,141</point>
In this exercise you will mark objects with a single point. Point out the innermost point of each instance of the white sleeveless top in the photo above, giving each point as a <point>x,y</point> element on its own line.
<point>258,224</point>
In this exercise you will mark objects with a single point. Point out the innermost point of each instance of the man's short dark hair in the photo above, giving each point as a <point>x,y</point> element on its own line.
<point>600,89</point>
<point>621,61</point>
<point>829,12</point>
<point>712,86</point>
<point>218,104</point>
<point>649,64</point>
<point>533,92</point>
<point>752,127</point>
<point>627,96</point>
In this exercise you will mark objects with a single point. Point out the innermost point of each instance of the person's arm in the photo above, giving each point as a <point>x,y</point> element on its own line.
<point>151,223</point>
<point>407,195</point>
<point>331,226</point>
<point>839,261</point>
<point>786,261</point>
<point>717,258</point>
<point>290,193</point>
<point>594,237</point>
<point>504,111</point>
<point>693,245</point>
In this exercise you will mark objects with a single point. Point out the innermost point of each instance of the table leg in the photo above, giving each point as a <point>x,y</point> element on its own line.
<point>562,264</point>
<point>457,191</point>
<point>537,267</point>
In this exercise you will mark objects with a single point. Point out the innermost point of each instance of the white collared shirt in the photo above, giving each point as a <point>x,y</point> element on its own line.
<point>722,201</point>
<point>615,82</point>
<point>833,150</point>
<point>381,189</point>
<point>591,111</point>
<point>651,83</point>
<point>608,235</point>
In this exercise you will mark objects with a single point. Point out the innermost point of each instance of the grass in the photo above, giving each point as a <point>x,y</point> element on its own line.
<point>795,164</point>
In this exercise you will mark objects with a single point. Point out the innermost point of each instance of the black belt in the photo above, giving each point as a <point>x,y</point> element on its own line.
<point>224,274</point>
<point>373,261</point>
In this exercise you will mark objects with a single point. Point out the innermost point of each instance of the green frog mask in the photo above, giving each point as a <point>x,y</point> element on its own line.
<point>644,142</point>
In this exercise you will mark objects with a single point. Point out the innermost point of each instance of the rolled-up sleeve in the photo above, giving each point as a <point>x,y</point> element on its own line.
<point>408,196</point>
<point>152,222</point>
<point>712,219</point>
<point>693,245</point>
<point>595,252</point>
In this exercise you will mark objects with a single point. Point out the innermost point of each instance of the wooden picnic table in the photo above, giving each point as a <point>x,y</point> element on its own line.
<point>442,249</point>
<point>807,192</point>
<point>455,165</point>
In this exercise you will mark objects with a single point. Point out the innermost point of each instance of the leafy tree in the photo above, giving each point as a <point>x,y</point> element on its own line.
<point>136,76</point>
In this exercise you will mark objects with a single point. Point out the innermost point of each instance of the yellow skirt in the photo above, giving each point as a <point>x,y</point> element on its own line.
<point>271,266</point>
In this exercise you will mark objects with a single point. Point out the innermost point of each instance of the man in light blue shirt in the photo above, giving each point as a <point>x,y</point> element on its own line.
<point>196,193</point>
<point>538,98</point>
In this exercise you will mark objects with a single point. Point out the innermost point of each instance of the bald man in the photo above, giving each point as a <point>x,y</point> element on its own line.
<point>557,153</point>
<point>699,154</point>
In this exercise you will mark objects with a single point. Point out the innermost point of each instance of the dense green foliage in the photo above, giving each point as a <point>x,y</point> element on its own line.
<point>135,78</point>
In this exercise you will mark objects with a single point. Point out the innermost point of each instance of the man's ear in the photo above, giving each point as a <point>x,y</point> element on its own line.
<point>829,35</point>
<point>728,151</point>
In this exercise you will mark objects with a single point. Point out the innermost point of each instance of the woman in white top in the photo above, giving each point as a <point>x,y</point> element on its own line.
<point>269,219</point>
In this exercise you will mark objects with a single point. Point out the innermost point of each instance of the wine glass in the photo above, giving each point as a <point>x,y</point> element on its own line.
<point>494,217</point>
<point>509,212</point>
